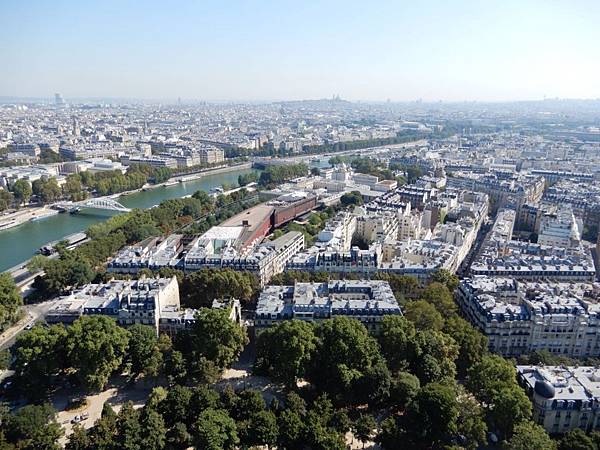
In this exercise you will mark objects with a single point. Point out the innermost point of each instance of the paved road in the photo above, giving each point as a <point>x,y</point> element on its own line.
<point>33,313</point>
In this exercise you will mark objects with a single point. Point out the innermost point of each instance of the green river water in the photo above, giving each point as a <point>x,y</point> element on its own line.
<point>21,243</point>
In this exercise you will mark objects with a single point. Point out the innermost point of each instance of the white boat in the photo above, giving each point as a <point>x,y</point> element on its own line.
<point>7,225</point>
<point>43,215</point>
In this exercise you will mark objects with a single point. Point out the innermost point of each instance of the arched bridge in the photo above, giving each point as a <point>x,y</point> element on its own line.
<point>105,203</point>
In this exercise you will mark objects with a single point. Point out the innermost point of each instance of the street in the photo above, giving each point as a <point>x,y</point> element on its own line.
<point>32,313</point>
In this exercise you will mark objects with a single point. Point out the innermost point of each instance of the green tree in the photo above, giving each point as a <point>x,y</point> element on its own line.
<point>153,430</point>
<point>176,367</point>
<point>69,271</point>
<point>341,422</point>
<point>489,375</point>
<point>259,429</point>
<point>445,277</point>
<point>247,178</point>
<point>73,188</point>
<point>215,430</point>
<point>285,350</point>
<point>49,191</point>
<point>39,355</point>
<point>200,288</point>
<point>248,403</point>
<point>432,356</point>
<point>96,346</point>
<point>205,199</point>
<point>404,286</point>
<point>203,397</point>
<point>129,431</point>
<point>319,430</point>
<point>440,297</point>
<point>22,191</point>
<point>529,436</point>
<point>345,354</point>
<point>395,339</point>
<point>433,414</point>
<point>273,175</point>
<point>10,301</point>
<point>178,437</point>
<point>390,434</point>
<point>471,423</point>
<point>509,407</point>
<point>405,387</point>
<point>576,440</point>
<point>174,408</point>
<point>364,428</point>
<point>6,199</point>
<point>5,359</point>
<point>352,198</point>
<point>471,342</point>
<point>291,429</point>
<point>423,315</point>
<point>215,339</point>
<point>139,226</point>
<point>34,427</point>
<point>143,352</point>
<point>413,173</point>
<point>103,433</point>
<point>156,397</point>
<point>79,439</point>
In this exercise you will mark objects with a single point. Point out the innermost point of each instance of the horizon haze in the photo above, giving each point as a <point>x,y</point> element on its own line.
<point>269,51</point>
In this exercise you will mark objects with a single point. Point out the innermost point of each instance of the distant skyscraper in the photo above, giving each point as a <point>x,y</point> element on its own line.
<point>76,130</point>
<point>59,100</point>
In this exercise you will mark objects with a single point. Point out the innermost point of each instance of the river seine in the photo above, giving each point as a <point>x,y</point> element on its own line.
<point>21,243</point>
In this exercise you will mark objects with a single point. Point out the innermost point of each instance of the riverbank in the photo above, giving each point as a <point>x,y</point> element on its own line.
<point>20,243</point>
<point>21,216</point>
<point>193,176</point>
<point>211,171</point>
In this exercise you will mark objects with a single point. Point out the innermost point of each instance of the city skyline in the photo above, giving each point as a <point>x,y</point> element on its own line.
<point>283,51</point>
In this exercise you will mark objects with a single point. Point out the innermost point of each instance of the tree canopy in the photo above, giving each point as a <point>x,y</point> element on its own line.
<point>285,350</point>
<point>96,347</point>
<point>10,301</point>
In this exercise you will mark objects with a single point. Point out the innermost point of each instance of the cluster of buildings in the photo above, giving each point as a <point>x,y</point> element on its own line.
<point>503,188</point>
<point>332,183</point>
<point>405,234</point>
<point>582,196</point>
<point>147,301</point>
<point>183,131</point>
<point>235,243</point>
<point>531,281</point>
<point>558,254</point>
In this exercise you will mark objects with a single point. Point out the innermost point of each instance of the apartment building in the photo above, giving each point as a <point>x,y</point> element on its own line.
<point>129,302</point>
<point>365,300</point>
<point>564,398</point>
<point>211,155</point>
<point>522,316</point>
<point>500,255</point>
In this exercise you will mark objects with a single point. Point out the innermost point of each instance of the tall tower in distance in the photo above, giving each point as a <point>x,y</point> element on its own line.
<point>59,101</point>
<point>76,129</point>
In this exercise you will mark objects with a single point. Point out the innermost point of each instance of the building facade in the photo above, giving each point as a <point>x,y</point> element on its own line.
<point>564,398</point>
<point>519,317</point>
<point>365,300</point>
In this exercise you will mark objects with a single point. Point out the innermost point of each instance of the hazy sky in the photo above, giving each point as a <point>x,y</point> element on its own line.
<point>267,50</point>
